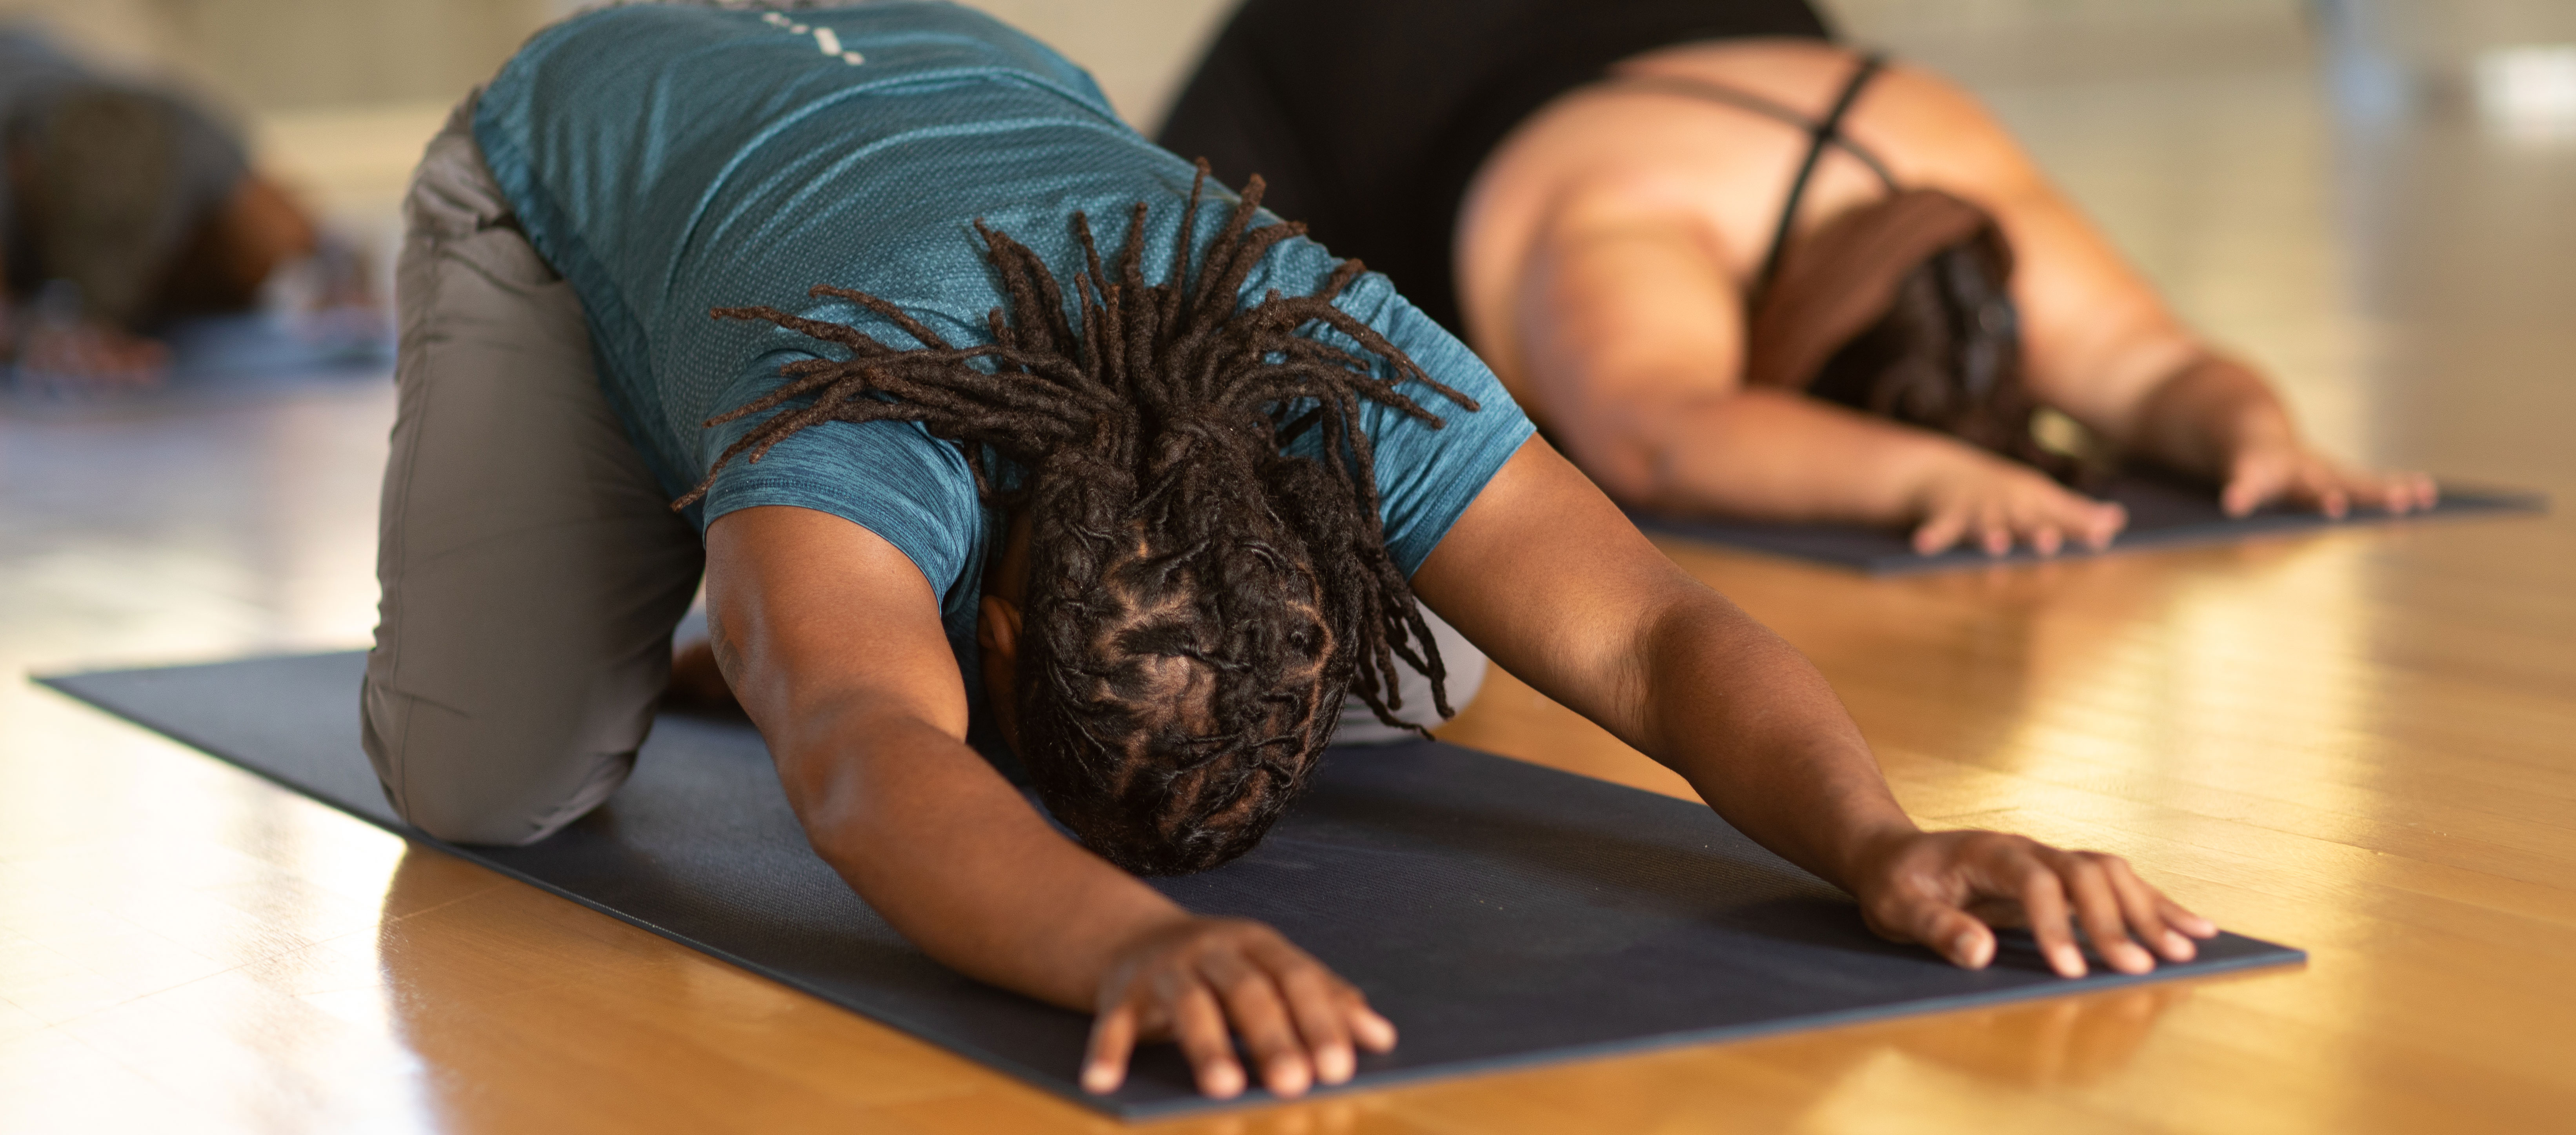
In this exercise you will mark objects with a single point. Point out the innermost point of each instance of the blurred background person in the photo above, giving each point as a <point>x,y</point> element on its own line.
<point>126,206</point>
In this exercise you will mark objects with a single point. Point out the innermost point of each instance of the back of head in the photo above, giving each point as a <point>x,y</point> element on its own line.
<point>1182,658</point>
<point>1201,600</point>
<point>1903,308</point>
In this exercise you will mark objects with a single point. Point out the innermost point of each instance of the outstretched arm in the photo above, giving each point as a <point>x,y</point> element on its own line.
<point>1627,639</point>
<point>832,640</point>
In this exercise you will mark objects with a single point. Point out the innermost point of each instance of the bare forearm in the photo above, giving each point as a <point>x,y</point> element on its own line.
<point>832,640</point>
<point>1669,666</point>
<point>1764,454</point>
<point>958,861</point>
<point>2204,413</point>
<point>1755,728</point>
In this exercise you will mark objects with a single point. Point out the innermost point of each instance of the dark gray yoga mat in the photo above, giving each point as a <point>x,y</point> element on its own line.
<point>2163,513</point>
<point>1501,913</point>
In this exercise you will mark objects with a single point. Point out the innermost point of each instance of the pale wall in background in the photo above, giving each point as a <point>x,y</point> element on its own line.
<point>264,56</point>
<point>268,56</point>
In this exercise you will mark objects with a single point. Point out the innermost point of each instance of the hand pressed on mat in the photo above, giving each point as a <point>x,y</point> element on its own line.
<point>1202,981</point>
<point>1994,503</point>
<point>1944,889</point>
<point>2215,417</point>
<point>2278,468</point>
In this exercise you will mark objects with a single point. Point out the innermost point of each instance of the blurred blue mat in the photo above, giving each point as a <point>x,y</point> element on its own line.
<point>1502,914</point>
<point>225,359</point>
<point>2163,513</point>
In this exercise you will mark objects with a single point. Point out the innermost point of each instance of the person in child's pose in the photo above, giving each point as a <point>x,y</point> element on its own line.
<point>124,205</point>
<point>1148,506</point>
<point>1604,196</point>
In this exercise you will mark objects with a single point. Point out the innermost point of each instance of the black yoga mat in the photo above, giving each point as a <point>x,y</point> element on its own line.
<point>2163,513</point>
<point>1501,913</point>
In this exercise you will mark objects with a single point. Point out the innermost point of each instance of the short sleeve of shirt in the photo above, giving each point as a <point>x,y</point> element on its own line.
<point>891,478</point>
<point>1426,475</point>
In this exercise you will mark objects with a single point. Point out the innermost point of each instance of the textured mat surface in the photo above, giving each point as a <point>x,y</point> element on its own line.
<point>1501,913</point>
<point>2162,514</point>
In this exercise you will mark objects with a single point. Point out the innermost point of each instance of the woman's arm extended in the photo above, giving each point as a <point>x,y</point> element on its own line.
<point>1546,576</point>
<point>832,640</point>
<point>2098,342</point>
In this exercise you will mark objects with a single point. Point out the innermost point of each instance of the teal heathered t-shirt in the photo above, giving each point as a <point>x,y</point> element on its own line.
<point>669,159</point>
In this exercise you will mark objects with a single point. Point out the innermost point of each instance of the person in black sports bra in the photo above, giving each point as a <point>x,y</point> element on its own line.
<point>1733,268</point>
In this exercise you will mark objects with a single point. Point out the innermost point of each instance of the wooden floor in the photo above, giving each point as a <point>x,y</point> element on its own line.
<point>2362,743</point>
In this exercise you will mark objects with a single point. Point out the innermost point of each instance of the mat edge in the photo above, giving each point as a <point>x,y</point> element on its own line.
<point>2500,503</point>
<point>1199,1104</point>
<point>2291,956</point>
<point>2533,504</point>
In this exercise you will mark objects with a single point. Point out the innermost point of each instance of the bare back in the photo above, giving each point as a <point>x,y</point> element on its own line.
<point>1605,248</point>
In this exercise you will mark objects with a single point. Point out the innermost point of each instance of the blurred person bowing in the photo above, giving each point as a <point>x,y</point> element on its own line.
<point>124,207</point>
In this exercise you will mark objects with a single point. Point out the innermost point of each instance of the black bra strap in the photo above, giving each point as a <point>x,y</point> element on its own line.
<point>1825,131</point>
<point>1747,100</point>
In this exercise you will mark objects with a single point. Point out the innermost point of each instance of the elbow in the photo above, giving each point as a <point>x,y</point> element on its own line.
<point>824,772</point>
<point>1628,457</point>
<point>1633,483</point>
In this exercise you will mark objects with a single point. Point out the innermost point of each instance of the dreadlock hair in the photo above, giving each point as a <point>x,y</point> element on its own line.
<point>1200,601</point>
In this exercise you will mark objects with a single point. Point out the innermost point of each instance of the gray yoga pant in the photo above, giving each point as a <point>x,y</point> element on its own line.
<point>532,568</point>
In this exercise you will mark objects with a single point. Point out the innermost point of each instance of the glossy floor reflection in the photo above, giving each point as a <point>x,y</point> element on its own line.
<point>2362,743</point>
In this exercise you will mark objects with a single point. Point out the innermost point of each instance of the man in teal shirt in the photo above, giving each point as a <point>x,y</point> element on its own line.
<point>1147,505</point>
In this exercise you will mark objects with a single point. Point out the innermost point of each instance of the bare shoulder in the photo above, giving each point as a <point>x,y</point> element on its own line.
<point>1596,160</point>
<point>1636,150</point>
<point>1606,151</point>
<point>814,610</point>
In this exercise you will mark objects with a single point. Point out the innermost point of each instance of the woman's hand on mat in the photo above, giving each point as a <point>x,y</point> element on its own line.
<point>1993,504</point>
<point>2278,468</point>
<point>2216,417</point>
<point>1204,981</point>
<point>1946,889</point>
